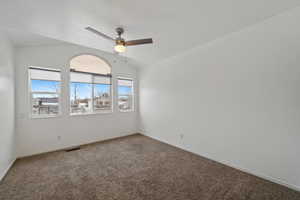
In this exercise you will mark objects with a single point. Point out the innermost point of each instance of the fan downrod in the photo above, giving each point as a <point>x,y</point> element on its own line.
<point>120,31</point>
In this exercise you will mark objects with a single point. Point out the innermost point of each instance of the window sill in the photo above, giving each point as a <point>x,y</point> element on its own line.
<point>87,114</point>
<point>44,116</point>
<point>126,111</point>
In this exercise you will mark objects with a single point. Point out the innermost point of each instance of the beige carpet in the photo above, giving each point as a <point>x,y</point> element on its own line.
<point>133,168</point>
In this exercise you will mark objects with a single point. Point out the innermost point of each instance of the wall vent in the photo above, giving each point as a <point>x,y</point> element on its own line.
<point>73,149</point>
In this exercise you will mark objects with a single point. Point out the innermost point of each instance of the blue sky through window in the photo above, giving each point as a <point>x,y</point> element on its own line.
<point>101,89</point>
<point>83,90</point>
<point>124,90</point>
<point>44,86</point>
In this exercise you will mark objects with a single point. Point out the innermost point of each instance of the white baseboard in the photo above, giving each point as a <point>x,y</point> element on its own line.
<point>67,146</point>
<point>243,169</point>
<point>2,175</point>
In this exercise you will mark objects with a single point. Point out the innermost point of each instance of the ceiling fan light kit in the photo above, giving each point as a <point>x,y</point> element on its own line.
<point>120,43</point>
<point>120,48</point>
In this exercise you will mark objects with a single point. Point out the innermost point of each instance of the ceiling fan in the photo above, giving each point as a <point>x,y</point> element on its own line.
<point>120,42</point>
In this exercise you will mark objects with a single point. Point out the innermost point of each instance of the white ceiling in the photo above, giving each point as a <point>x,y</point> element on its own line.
<point>23,38</point>
<point>174,25</point>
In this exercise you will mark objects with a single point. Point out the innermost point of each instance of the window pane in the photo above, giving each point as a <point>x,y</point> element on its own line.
<point>81,77</point>
<point>125,90</point>
<point>81,98</point>
<point>102,80</point>
<point>44,74</point>
<point>125,82</point>
<point>45,104</point>
<point>90,85</point>
<point>45,86</point>
<point>125,95</point>
<point>90,64</point>
<point>45,89</point>
<point>102,97</point>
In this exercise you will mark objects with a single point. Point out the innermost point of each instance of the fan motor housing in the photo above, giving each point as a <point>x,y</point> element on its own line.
<point>120,41</point>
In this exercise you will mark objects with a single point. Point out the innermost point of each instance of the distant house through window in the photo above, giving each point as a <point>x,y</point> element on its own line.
<point>90,85</point>
<point>45,87</point>
<point>125,94</point>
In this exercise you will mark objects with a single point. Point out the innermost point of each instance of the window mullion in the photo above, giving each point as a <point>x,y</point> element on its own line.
<point>93,93</point>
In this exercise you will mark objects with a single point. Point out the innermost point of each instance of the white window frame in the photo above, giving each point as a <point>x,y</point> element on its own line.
<point>133,93</point>
<point>93,84</point>
<point>30,93</point>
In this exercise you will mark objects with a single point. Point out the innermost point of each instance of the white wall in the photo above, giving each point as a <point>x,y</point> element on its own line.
<point>43,135</point>
<point>235,100</point>
<point>7,105</point>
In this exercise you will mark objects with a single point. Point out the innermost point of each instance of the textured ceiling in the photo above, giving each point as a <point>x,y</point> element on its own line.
<point>174,25</point>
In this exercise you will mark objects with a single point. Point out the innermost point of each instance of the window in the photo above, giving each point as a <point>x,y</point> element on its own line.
<point>44,91</point>
<point>90,85</point>
<point>125,94</point>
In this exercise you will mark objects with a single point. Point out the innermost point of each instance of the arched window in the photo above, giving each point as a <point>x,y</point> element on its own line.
<point>90,85</point>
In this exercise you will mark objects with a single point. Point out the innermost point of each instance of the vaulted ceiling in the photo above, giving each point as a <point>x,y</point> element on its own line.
<point>174,25</point>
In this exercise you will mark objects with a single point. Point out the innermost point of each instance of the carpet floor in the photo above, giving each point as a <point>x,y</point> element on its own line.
<point>133,168</point>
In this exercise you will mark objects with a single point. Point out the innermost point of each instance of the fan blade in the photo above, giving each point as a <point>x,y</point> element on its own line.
<point>99,33</point>
<point>138,42</point>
